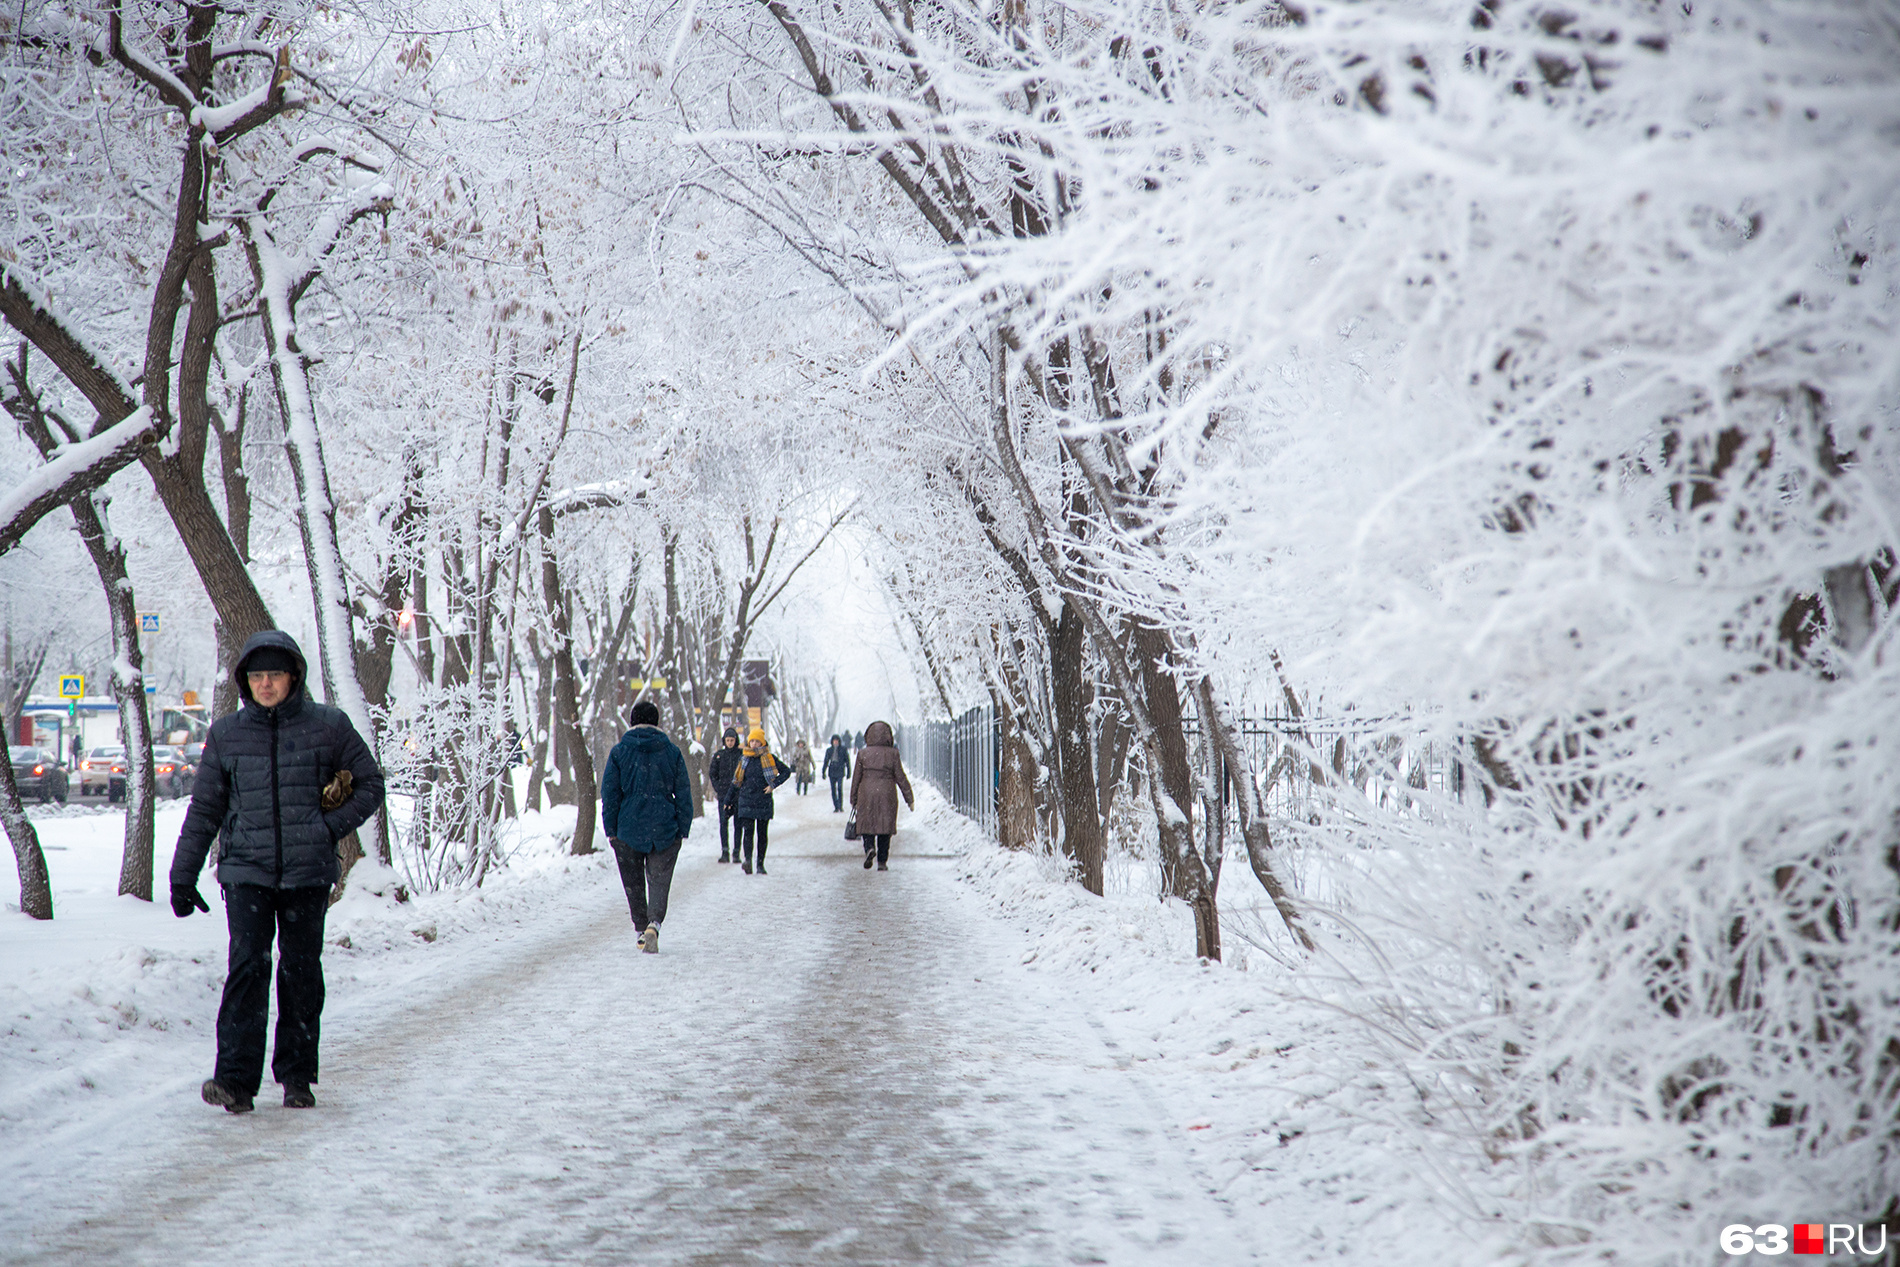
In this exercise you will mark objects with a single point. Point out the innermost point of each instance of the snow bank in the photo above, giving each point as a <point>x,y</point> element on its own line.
<point>1282,1099</point>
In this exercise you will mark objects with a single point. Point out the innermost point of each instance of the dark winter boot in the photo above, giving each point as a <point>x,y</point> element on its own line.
<point>297,1095</point>
<point>882,867</point>
<point>746,862</point>
<point>870,856</point>
<point>724,856</point>
<point>215,1092</point>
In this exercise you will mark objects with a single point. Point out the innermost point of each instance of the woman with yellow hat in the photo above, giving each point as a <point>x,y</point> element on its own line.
<point>753,780</point>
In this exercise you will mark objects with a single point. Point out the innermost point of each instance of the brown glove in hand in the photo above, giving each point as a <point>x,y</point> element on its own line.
<point>337,792</point>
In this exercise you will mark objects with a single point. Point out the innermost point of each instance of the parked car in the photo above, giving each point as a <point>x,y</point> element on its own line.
<point>103,770</point>
<point>171,770</point>
<point>39,772</point>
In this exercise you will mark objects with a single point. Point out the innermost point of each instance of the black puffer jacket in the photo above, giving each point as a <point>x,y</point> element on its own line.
<point>260,783</point>
<point>724,762</point>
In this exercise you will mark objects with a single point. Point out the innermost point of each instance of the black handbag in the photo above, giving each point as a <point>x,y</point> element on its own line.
<point>851,827</point>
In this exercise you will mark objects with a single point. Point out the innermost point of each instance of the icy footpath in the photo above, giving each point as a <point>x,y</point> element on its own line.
<point>823,1065</point>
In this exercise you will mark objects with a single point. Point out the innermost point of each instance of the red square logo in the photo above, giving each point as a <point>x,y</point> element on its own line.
<point>1810,1238</point>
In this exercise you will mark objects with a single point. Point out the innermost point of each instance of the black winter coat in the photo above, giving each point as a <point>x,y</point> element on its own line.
<point>753,796</point>
<point>259,787</point>
<point>724,762</point>
<point>837,762</point>
<point>646,796</point>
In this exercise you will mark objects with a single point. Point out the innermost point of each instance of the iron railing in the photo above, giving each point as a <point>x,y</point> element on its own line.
<point>959,757</point>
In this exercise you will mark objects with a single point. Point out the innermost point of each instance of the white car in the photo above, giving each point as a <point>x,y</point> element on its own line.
<point>102,771</point>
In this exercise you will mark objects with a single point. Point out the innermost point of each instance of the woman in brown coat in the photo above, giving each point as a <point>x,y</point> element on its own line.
<point>875,782</point>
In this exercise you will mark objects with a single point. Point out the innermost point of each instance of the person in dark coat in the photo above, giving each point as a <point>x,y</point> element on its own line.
<point>646,808</point>
<point>724,762</point>
<point>280,782</point>
<point>874,788</point>
<point>758,773</point>
<point>837,768</point>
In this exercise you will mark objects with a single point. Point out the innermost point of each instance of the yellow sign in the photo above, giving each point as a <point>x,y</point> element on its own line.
<point>72,686</point>
<point>648,684</point>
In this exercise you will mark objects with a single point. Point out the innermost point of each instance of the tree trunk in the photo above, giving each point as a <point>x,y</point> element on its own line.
<point>1016,790</point>
<point>1153,654</point>
<point>316,511</point>
<point>567,713</point>
<point>1074,692</point>
<point>36,888</point>
<point>543,727</point>
<point>128,676</point>
<point>1253,822</point>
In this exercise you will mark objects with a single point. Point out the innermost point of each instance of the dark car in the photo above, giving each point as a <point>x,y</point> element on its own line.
<point>39,772</point>
<point>172,771</point>
<point>103,770</point>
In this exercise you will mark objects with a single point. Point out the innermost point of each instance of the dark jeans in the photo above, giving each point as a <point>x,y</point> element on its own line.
<point>747,827</point>
<point>837,794</point>
<point>256,915</point>
<point>803,785</point>
<point>647,878</point>
<point>879,845</point>
<point>725,817</point>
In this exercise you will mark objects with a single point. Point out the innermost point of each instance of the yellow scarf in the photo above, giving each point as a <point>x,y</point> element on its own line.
<point>767,766</point>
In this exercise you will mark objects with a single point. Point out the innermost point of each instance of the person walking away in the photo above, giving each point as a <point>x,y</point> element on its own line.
<point>719,775</point>
<point>874,787</point>
<point>279,783</point>
<point>646,807</point>
<point>802,766</point>
<point>753,781</point>
<point>837,768</point>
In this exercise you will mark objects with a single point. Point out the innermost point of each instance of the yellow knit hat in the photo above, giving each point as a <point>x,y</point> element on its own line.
<point>757,736</point>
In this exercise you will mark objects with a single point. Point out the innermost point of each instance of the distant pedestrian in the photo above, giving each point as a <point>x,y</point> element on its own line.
<point>837,768</point>
<point>802,766</point>
<point>280,782</point>
<point>517,752</point>
<point>646,807</point>
<point>874,788</point>
<point>753,781</point>
<point>724,762</point>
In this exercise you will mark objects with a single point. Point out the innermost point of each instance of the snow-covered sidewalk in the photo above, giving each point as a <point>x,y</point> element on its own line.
<point>823,1064</point>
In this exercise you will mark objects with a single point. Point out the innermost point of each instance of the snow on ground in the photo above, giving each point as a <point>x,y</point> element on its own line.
<point>966,1059</point>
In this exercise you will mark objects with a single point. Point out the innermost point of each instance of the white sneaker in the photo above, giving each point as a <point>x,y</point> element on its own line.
<point>650,939</point>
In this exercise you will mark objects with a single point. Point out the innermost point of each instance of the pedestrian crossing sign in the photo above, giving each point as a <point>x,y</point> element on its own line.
<point>148,622</point>
<point>72,686</point>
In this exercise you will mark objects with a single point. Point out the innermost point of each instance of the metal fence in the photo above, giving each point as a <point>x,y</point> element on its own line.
<point>959,758</point>
<point>1303,763</point>
<point>1303,760</point>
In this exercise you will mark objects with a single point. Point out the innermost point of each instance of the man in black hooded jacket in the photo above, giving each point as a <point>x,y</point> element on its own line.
<point>719,775</point>
<point>261,793</point>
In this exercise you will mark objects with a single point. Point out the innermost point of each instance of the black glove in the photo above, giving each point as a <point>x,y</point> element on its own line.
<point>185,897</point>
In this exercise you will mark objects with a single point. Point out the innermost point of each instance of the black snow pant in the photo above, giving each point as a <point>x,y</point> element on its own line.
<point>725,818</point>
<point>837,793</point>
<point>648,879</point>
<point>878,847</point>
<point>747,828</point>
<point>256,915</point>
